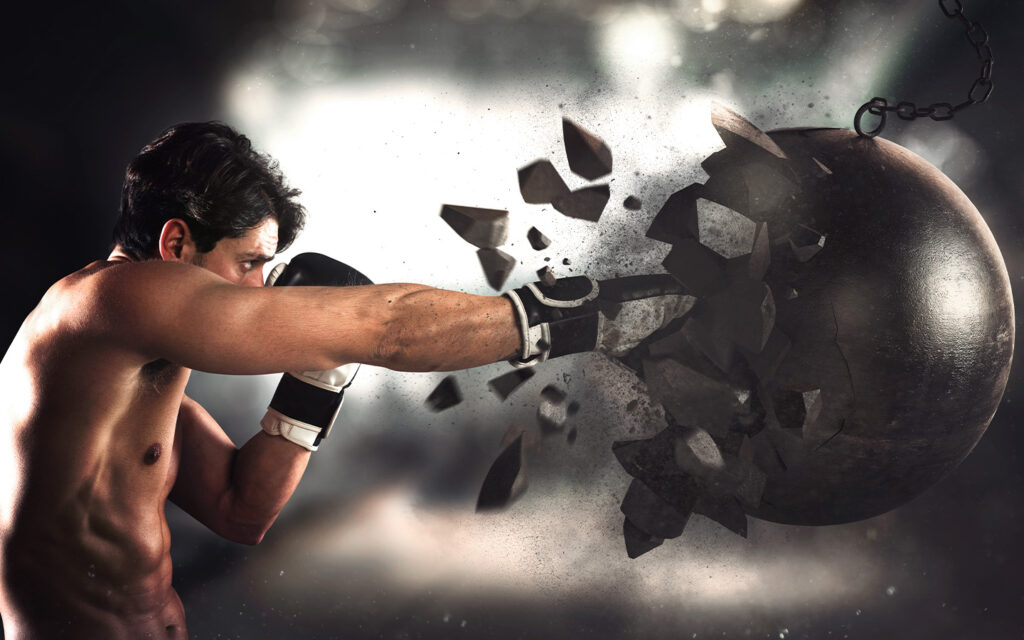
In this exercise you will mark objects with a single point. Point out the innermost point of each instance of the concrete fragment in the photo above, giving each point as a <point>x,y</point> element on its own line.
<point>588,155</point>
<point>698,268</point>
<point>725,511</point>
<point>547,276</point>
<point>497,266</point>
<point>506,383</point>
<point>539,183</point>
<point>505,480</point>
<point>638,542</point>
<point>651,514</point>
<point>677,219</point>
<point>552,411</point>
<point>484,228</point>
<point>632,203</point>
<point>445,395</point>
<point>739,133</point>
<point>587,203</point>
<point>538,240</point>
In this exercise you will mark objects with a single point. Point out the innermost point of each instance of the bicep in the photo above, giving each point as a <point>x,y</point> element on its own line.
<point>196,319</point>
<point>205,455</point>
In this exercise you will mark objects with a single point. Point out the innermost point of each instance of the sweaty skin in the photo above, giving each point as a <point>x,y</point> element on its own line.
<point>96,432</point>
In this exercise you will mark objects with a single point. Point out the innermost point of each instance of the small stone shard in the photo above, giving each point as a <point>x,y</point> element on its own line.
<point>547,276</point>
<point>538,240</point>
<point>497,266</point>
<point>506,383</point>
<point>588,155</point>
<point>505,480</point>
<point>552,411</point>
<point>638,542</point>
<point>632,203</point>
<point>651,514</point>
<point>484,228</point>
<point>573,408</point>
<point>571,436</point>
<point>587,203</point>
<point>677,219</point>
<point>739,133</point>
<point>539,183</point>
<point>445,395</point>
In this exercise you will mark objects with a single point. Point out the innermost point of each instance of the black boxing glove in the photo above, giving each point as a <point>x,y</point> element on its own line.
<point>307,403</point>
<point>581,314</point>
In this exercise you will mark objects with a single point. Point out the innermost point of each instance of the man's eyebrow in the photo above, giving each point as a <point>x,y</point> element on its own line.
<point>256,255</point>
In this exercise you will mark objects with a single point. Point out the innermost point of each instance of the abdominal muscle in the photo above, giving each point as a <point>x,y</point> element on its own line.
<point>84,543</point>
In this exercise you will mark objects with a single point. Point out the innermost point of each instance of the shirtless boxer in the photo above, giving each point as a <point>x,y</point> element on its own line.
<point>96,432</point>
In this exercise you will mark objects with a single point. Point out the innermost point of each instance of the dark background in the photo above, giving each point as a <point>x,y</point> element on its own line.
<point>87,84</point>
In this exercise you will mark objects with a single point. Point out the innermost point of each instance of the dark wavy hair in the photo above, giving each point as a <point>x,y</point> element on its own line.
<point>207,174</point>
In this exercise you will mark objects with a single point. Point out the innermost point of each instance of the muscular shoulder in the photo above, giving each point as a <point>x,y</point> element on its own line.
<point>105,303</point>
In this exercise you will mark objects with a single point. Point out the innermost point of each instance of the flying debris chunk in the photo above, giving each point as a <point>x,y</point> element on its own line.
<point>585,204</point>
<point>537,239</point>
<point>588,155</point>
<point>484,228</point>
<point>539,183</point>
<point>552,411</point>
<point>686,394</point>
<point>547,276</point>
<point>632,203</point>
<point>678,218</point>
<point>740,134</point>
<point>445,395</point>
<point>497,266</point>
<point>725,511</point>
<point>505,480</point>
<point>638,542</point>
<point>505,384</point>
<point>571,436</point>
<point>698,268</point>
<point>649,513</point>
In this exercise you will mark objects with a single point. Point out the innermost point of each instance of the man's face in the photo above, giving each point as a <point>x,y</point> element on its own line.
<point>241,260</point>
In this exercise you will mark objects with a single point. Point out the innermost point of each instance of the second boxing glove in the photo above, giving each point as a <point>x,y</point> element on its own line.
<point>306,403</point>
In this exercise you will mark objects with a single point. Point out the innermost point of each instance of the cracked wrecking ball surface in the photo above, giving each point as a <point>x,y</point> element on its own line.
<point>903,323</point>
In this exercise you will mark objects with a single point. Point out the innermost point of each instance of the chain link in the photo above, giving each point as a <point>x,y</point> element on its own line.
<point>979,91</point>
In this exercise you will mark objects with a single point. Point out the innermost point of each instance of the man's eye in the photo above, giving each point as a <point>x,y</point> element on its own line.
<point>249,265</point>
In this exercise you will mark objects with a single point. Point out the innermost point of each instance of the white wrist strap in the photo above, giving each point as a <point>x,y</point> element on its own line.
<point>301,433</point>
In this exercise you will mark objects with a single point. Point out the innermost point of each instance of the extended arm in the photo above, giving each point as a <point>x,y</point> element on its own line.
<point>192,317</point>
<point>237,493</point>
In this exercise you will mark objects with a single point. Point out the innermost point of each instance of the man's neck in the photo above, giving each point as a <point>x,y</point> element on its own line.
<point>119,255</point>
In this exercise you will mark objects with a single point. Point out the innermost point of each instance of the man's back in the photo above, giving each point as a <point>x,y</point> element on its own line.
<point>87,445</point>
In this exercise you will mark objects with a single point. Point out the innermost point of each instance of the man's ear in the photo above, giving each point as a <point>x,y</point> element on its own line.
<point>176,241</point>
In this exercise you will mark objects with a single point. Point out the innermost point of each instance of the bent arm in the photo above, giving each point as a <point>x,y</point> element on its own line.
<point>237,493</point>
<point>194,318</point>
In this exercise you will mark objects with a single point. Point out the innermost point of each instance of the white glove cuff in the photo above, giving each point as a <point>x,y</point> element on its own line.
<point>301,433</point>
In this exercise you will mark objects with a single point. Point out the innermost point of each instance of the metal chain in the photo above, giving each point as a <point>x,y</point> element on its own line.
<point>979,92</point>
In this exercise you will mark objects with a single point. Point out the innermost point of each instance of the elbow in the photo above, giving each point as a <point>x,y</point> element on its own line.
<point>249,535</point>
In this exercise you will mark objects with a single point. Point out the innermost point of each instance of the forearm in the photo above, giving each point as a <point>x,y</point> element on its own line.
<point>438,330</point>
<point>264,474</point>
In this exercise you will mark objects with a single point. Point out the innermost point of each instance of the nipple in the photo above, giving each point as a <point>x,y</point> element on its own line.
<point>152,454</point>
